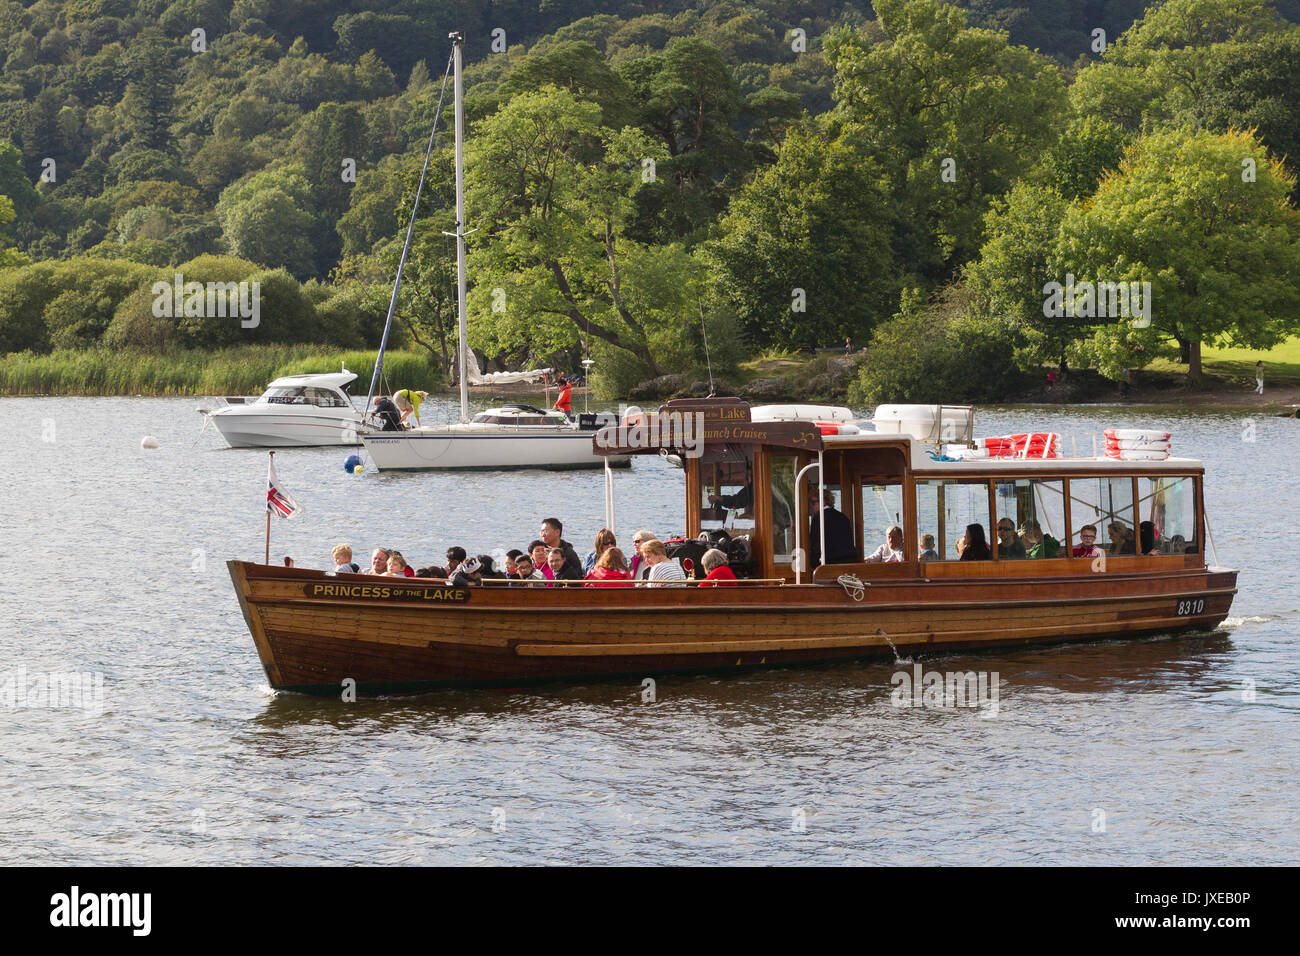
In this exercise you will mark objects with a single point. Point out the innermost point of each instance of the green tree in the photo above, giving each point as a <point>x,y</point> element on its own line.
<point>802,257</point>
<point>552,192</point>
<point>1204,218</point>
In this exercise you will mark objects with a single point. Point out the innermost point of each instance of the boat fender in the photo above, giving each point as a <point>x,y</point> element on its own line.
<point>353,465</point>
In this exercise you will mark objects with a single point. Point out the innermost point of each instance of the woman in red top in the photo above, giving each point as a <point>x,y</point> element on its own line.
<point>719,574</point>
<point>565,402</point>
<point>610,571</point>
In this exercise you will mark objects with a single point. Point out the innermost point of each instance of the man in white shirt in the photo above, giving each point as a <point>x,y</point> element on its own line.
<point>663,569</point>
<point>891,552</point>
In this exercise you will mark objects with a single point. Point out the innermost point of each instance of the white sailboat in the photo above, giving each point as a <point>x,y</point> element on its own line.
<point>512,436</point>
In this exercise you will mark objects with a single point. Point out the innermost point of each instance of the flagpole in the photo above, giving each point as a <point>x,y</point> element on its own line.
<point>270,462</point>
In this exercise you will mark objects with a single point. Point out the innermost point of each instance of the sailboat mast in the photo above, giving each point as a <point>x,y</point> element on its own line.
<point>458,41</point>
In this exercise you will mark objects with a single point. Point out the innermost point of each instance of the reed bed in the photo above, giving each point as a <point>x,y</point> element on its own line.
<point>237,371</point>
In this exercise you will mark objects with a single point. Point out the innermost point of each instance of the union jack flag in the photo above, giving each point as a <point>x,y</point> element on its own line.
<point>277,502</point>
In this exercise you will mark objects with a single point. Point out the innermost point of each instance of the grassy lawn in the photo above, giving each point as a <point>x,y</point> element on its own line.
<point>1281,364</point>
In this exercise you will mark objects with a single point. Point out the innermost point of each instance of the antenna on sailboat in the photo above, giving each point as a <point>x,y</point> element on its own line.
<point>406,246</point>
<point>705,332</point>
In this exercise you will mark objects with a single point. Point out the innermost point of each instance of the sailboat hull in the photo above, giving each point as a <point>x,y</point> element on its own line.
<point>443,449</point>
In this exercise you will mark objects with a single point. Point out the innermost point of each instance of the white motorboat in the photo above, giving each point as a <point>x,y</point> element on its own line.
<point>296,410</point>
<point>512,436</point>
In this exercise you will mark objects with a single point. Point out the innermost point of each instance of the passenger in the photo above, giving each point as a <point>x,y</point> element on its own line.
<point>604,541</point>
<point>927,548</point>
<point>342,555</point>
<point>840,546</point>
<point>466,574</point>
<point>639,567</point>
<point>1178,545</point>
<point>455,556</point>
<point>891,552</point>
<point>552,529</point>
<point>389,416</point>
<point>610,571</point>
<point>1037,544</point>
<point>1009,546</point>
<point>524,570</point>
<point>663,569</point>
<point>1150,537</point>
<point>488,568</point>
<point>379,561</point>
<point>561,570</point>
<point>397,567</point>
<point>1087,546</point>
<point>433,571</point>
<point>1121,539</point>
<point>719,571</point>
<point>539,550</point>
<point>977,547</point>
<point>960,545</point>
<point>510,561</point>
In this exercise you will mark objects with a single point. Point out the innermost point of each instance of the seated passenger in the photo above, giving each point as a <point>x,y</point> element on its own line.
<point>927,548</point>
<point>510,561</point>
<point>840,546</point>
<point>466,574</point>
<point>455,555</point>
<point>379,561</point>
<point>1087,546</point>
<point>1150,538</point>
<point>342,555</point>
<point>604,541</point>
<point>718,571</point>
<point>1178,545</point>
<point>1009,546</point>
<point>433,571</point>
<point>639,567</point>
<point>561,568</point>
<point>977,546</point>
<point>488,568</point>
<point>663,569</point>
<point>1037,544</point>
<point>524,570</point>
<point>397,566</point>
<point>891,552</point>
<point>539,551</point>
<point>610,570</point>
<point>1121,539</point>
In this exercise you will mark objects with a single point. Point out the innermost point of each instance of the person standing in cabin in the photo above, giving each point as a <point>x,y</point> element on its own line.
<point>840,547</point>
<point>1259,377</point>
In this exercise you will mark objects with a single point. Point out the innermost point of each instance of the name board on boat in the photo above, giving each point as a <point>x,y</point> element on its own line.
<point>387,592</point>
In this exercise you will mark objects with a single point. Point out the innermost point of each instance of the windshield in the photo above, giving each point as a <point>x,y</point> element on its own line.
<point>303,395</point>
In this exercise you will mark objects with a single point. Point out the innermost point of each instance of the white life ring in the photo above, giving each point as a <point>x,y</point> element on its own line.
<point>1137,434</point>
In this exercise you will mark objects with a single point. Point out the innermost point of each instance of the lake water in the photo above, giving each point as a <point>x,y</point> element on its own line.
<point>116,565</point>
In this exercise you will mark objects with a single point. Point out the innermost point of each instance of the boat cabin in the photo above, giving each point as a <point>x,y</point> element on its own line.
<point>770,480</point>
<point>321,391</point>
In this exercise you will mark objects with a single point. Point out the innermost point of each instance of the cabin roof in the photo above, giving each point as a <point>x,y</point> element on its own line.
<point>327,380</point>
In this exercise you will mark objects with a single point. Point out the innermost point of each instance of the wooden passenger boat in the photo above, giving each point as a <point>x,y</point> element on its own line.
<point>314,630</point>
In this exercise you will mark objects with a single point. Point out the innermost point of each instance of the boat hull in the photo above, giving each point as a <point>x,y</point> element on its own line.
<point>242,428</point>
<point>395,451</point>
<point>315,631</point>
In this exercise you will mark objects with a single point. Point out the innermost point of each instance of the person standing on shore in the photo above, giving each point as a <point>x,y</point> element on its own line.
<point>1259,377</point>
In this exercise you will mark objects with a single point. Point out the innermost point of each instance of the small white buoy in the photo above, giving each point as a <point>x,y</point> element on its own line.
<point>148,441</point>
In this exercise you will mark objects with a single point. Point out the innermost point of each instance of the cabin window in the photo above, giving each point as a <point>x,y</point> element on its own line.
<point>323,397</point>
<point>881,507</point>
<point>1107,505</point>
<point>783,471</point>
<point>727,487</point>
<point>945,508</point>
<point>1031,518</point>
<point>1169,504</point>
<point>285,395</point>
